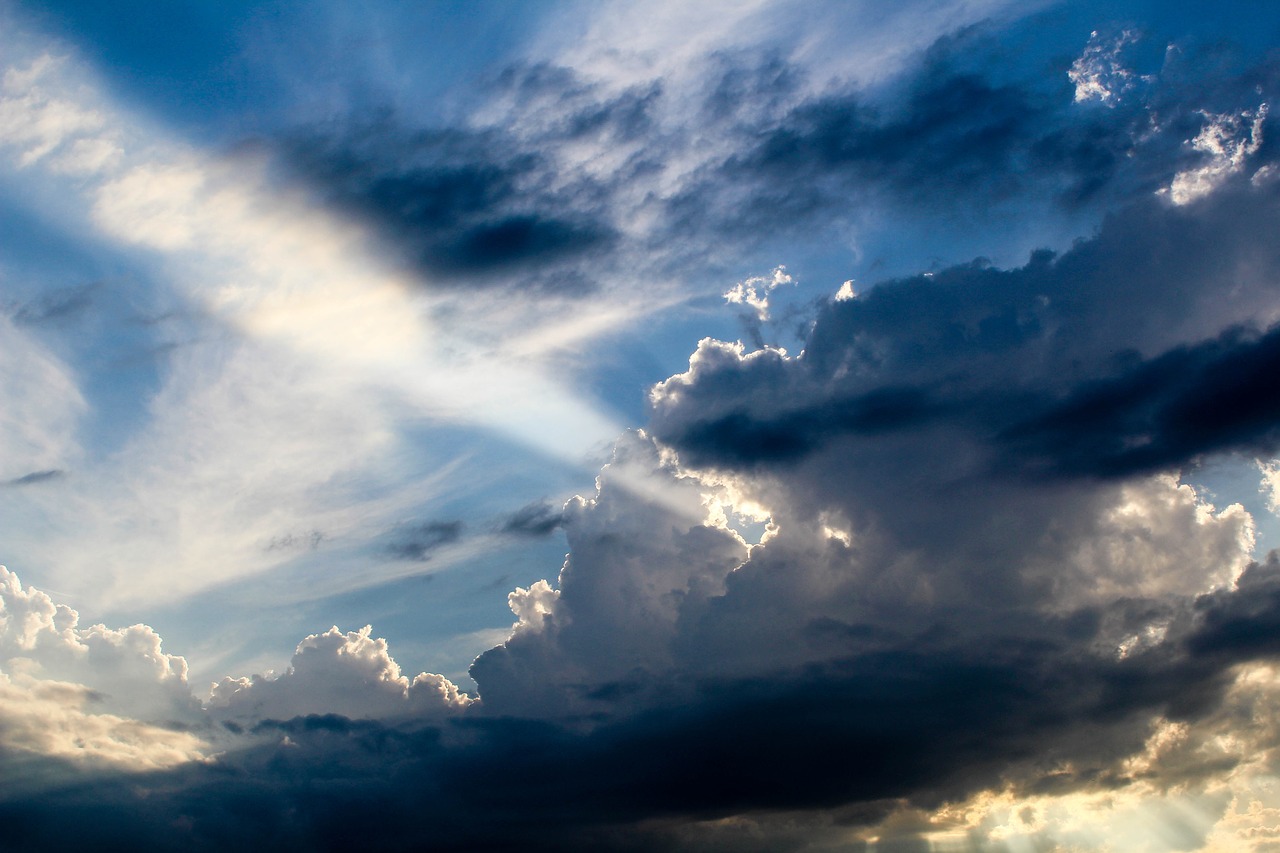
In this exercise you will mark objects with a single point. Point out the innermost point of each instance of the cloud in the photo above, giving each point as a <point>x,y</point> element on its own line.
<point>416,542</point>
<point>981,585</point>
<point>895,633</point>
<point>1036,721</point>
<point>1229,140</point>
<point>461,206</point>
<point>1270,485</point>
<point>570,175</point>
<point>125,668</point>
<point>950,139</point>
<point>539,518</point>
<point>35,477</point>
<point>1098,73</point>
<point>55,306</point>
<point>43,406</point>
<point>351,674</point>
<point>77,703</point>
<point>39,123</point>
<point>99,699</point>
<point>1187,402</point>
<point>1087,393</point>
<point>45,721</point>
<point>214,459</point>
<point>639,552</point>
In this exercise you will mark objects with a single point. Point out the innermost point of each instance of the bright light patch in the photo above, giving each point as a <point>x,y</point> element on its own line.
<point>1227,141</point>
<point>754,292</point>
<point>1099,74</point>
<point>298,313</point>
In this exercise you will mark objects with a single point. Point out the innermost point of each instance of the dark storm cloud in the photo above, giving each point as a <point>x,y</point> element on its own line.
<point>1067,366</point>
<point>417,541</point>
<point>739,437</point>
<point>1219,395</point>
<point>925,722</point>
<point>1160,413</point>
<point>539,518</point>
<point>1245,623</point>
<point>467,204</point>
<point>457,204</point>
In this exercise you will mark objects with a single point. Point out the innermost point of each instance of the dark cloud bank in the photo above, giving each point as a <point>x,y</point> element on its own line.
<point>929,618</point>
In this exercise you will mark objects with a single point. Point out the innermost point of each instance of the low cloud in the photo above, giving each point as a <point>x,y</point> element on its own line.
<point>350,674</point>
<point>539,518</point>
<point>418,541</point>
<point>95,697</point>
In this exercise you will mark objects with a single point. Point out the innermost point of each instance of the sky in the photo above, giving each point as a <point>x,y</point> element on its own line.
<point>754,426</point>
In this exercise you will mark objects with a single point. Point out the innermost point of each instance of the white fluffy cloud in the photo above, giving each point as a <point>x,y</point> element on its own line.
<point>93,696</point>
<point>126,669</point>
<point>96,698</point>
<point>351,674</point>
<point>43,719</point>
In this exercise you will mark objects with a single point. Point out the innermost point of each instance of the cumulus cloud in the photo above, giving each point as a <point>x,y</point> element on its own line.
<point>351,674</point>
<point>44,721</point>
<point>126,668</point>
<point>754,292</point>
<point>93,696</point>
<point>1087,394</point>
<point>928,581</point>
<point>80,700</point>
<point>641,552</point>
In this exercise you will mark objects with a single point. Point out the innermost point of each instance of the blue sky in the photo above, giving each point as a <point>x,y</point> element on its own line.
<point>764,425</point>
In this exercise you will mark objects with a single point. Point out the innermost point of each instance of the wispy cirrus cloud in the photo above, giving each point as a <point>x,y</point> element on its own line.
<point>296,313</point>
